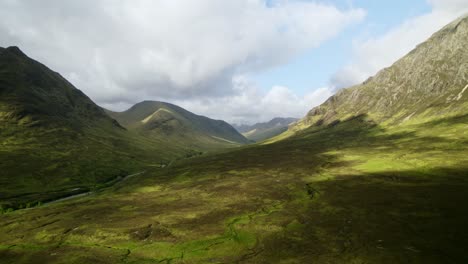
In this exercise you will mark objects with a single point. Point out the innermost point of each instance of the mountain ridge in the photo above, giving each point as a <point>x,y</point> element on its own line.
<point>149,117</point>
<point>31,92</point>
<point>265,130</point>
<point>429,81</point>
<point>55,140</point>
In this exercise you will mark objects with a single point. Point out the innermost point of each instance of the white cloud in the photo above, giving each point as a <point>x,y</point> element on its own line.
<point>452,6</point>
<point>123,51</point>
<point>250,104</point>
<point>375,53</point>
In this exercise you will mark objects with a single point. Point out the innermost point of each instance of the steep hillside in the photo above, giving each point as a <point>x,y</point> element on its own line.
<point>430,82</point>
<point>33,95</point>
<point>262,131</point>
<point>55,140</point>
<point>157,119</point>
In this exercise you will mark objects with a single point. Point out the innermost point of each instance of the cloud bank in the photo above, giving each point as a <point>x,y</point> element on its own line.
<point>120,52</point>
<point>250,104</point>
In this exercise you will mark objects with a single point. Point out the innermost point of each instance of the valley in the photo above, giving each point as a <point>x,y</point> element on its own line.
<point>49,129</point>
<point>375,174</point>
<point>263,131</point>
<point>355,191</point>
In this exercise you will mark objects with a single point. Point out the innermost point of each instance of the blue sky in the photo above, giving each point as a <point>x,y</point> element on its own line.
<point>314,68</point>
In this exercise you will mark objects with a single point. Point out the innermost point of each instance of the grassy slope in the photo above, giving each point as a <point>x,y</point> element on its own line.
<point>168,122</point>
<point>263,131</point>
<point>262,135</point>
<point>355,192</point>
<point>39,164</point>
<point>54,140</point>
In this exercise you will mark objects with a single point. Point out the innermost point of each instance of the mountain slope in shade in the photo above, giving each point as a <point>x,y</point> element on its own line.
<point>262,131</point>
<point>158,119</point>
<point>431,81</point>
<point>33,95</point>
<point>55,140</point>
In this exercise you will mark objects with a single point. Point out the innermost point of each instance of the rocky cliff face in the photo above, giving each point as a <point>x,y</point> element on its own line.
<point>432,80</point>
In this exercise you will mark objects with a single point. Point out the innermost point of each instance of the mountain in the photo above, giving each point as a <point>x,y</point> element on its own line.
<point>34,96</point>
<point>364,185</point>
<point>55,140</point>
<point>159,119</point>
<point>262,131</point>
<point>431,81</point>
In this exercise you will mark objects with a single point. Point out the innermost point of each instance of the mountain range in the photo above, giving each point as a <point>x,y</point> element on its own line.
<point>57,141</point>
<point>376,174</point>
<point>262,131</point>
<point>159,119</point>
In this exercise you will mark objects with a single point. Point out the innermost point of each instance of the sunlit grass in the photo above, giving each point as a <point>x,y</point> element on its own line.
<point>349,193</point>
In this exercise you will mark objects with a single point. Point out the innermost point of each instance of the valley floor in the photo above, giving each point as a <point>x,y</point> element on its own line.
<point>352,193</point>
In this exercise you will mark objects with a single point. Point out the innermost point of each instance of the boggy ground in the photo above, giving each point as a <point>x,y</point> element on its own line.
<point>355,192</point>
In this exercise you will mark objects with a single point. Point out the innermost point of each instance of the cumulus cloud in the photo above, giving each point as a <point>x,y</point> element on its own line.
<point>120,51</point>
<point>373,54</point>
<point>251,104</point>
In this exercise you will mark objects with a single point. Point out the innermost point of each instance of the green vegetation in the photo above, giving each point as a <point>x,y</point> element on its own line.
<point>55,142</point>
<point>355,192</point>
<point>169,123</point>
<point>41,164</point>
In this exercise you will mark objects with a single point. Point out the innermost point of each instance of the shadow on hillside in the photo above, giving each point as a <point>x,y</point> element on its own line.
<point>309,149</point>
<point>459,119</point>
<point>388,217</point>
<point>394,216</point>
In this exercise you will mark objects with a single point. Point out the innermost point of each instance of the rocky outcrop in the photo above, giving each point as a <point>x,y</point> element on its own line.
<point>429,82</point>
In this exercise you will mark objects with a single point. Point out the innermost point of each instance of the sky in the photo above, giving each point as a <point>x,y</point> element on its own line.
<point>243,61</point>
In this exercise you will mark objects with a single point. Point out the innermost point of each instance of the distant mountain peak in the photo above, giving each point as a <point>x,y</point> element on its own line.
<point>262,131</point>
